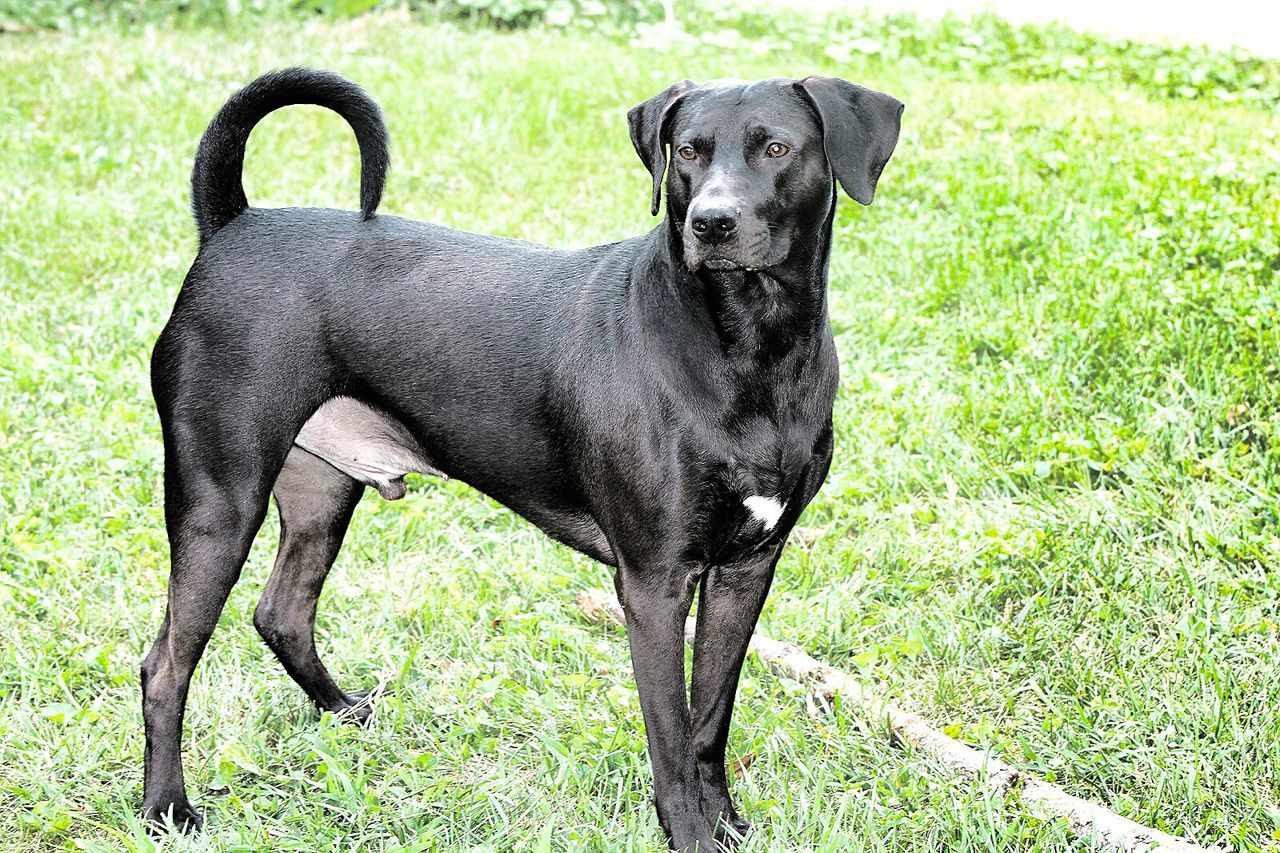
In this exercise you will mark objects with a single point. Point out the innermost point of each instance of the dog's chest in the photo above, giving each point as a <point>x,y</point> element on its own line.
<point>756,485</point>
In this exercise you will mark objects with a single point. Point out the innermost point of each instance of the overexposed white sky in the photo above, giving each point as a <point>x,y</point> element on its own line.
<point>1254,26</point>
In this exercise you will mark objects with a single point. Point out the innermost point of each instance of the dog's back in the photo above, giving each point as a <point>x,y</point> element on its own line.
<point>321,293</point>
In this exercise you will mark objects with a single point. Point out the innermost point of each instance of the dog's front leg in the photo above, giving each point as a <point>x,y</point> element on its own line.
<point>728,607</point>
<point>656,600</point>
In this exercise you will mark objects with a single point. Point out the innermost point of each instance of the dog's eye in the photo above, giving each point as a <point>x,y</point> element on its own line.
<point>777,149</point>
<point>687,152</point>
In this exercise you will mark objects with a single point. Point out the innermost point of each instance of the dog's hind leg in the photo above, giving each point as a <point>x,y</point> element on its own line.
<point>316,502</point>
<point>214,504</point>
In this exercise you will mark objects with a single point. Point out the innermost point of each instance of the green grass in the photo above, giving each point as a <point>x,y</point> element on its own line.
<point>1051,524</point>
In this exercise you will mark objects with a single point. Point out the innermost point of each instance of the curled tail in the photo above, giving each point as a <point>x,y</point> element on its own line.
<point>217,194</point>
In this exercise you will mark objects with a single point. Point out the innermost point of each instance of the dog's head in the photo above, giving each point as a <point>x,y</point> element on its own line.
<point>752,165</point>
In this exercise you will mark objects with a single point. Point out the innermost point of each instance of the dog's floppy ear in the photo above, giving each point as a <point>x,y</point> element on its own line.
<point>648,123</point>
<point>859,130</point>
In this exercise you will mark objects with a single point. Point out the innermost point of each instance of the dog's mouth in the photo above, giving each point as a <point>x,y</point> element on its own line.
<point>725,265</point>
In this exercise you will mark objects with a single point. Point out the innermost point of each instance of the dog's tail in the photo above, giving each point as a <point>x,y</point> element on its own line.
<point>217,194</point>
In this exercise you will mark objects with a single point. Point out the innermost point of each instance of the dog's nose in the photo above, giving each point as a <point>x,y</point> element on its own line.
<point>714,224</point>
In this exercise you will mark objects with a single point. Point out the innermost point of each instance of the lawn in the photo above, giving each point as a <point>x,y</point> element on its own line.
<point>1052,524</point>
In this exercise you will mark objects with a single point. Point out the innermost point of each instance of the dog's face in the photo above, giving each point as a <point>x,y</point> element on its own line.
<point>751,165</point>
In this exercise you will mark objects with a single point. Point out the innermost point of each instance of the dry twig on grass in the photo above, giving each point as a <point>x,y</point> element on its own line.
<point>1086,819</point>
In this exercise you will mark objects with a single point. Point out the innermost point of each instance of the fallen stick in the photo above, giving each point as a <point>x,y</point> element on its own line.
<point>1088,820</point>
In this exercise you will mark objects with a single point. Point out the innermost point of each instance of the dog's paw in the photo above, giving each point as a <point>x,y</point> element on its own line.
<point>178,816</point>
<point>356,708</point>
<point>731,830</point>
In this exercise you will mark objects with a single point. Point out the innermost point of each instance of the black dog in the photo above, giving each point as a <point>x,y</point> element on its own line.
<point>662,404</point>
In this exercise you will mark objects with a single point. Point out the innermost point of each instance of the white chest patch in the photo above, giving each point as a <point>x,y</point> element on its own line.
<point>768,510</point>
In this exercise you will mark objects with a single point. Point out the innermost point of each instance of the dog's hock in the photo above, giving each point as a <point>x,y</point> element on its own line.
<point>767,510</point>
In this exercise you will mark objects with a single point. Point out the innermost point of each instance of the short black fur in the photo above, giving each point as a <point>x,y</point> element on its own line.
<point>662,404</point>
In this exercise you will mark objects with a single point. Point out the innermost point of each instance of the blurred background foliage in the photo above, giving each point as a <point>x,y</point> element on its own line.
<point>62,14</point>
<point>984,44</point>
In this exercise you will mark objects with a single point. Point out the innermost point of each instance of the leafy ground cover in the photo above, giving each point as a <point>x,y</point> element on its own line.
<point>1051,523</point>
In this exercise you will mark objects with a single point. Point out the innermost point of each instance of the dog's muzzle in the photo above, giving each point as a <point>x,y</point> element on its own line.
<point>721,240</point>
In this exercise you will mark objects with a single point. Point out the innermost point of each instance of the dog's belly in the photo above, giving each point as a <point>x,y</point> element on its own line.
<point>378,450</point>
<point>366,445</point>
